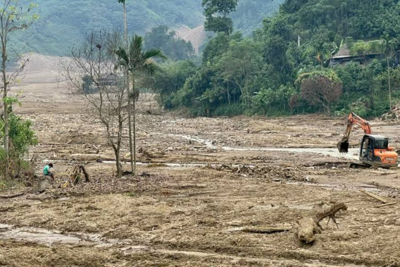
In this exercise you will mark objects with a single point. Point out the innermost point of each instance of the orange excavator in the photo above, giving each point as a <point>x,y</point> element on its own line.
<point>374,151</point>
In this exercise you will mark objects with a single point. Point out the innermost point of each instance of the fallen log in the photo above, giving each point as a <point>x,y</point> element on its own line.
<point>384,201</point>
<point>12,196</point>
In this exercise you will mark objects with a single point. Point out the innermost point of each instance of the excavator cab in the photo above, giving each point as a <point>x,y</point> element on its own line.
<point>375,151</point>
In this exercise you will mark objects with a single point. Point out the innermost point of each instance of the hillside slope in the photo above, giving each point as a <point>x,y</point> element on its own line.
<point>63,24</point>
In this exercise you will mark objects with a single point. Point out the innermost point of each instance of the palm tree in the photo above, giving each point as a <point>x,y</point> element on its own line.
<point>127,86</point>
<point>134,60</point>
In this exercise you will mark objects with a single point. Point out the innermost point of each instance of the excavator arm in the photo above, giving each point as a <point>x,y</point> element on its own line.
<point>352,119</point>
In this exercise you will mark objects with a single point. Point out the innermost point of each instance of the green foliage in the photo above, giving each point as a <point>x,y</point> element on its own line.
<point>364,48</point>
<point>173,47</point>
<point>21,138</point>
<point>284,67</point>
<point>21,135</point>
<point>216,13</point>
<point>249,14</point>
<point>170,79</point>
<point>273,102</point>
<point>60,27</point>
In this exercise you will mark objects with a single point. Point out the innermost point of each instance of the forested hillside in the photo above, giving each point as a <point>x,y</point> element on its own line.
<point>249,14</point>
<point>285,68</point>
<point>63,24</point>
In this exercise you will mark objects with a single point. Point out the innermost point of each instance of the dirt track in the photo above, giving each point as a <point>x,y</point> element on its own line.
<point>202,180</point>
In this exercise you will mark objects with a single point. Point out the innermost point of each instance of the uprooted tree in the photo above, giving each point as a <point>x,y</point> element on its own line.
<point>91,72</point>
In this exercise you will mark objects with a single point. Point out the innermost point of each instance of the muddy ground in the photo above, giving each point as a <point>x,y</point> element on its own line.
<point>201,181</point>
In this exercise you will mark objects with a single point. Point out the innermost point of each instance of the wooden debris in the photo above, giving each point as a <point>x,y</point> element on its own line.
<point>76,175</point>
<point>309,227</point>
<point>387,204</point>
<point>384,201</point>
<point>330,213</point>
<point>12,196</point>
<point>271,230</point>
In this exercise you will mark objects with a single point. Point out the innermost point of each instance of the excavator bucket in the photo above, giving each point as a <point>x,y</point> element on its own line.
<point>343,146</point>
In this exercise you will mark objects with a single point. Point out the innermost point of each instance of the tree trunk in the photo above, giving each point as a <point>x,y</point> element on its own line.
<point>128,92</point>
<point>134,124</point>
<point>118,162</point>
<point>388,71</point>
<point>5,115</point>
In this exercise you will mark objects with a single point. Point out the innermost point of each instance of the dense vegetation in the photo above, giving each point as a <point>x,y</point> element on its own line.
<point>163,38</point>
<point>284,67</point>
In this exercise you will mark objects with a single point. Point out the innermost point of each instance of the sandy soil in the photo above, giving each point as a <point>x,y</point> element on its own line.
<point>200,182</point>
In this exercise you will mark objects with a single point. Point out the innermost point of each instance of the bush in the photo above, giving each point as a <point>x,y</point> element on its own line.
<point>231,110</point>
<point>21,138</point>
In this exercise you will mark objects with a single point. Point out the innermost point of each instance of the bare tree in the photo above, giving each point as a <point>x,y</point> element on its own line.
<point>91,73</point>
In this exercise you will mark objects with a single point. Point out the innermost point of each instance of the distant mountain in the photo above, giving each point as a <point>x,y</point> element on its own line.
<point>64,23</point>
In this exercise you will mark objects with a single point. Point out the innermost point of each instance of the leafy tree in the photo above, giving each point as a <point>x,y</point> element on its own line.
<point>13,17</point>
<point>279,101</point>
<point>170,79</point>
<point>249,14</point>
<point>173,47</point>
<point>135,60</point>
<point>321,88</point>
<point>216,13</point>
<point>239,65</point>
<point>21,138</point>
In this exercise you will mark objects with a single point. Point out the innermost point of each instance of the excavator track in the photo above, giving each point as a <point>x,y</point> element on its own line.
<point>359,166</point>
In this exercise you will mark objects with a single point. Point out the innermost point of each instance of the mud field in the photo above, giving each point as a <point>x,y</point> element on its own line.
<point>205,188</point>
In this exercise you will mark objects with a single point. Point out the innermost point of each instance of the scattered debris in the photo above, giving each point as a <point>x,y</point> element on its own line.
<point>387,204</point>
<point>269,230</point>
<point>272,172</point>
<point>75,177</point>
<point>330,213</point>
<point>12,196</point>
<point>384,201</point>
